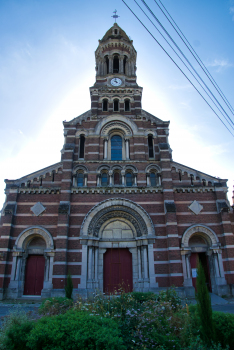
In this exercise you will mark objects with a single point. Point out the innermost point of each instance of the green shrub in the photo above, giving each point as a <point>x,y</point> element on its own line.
<point>224,328</point>
<point>69,286</point>
<point>141,297</point>
<point>55,306</point>
<point>204,306</point>
<point>171,296</point>
<point>75,331</point>
<point>14,331</point>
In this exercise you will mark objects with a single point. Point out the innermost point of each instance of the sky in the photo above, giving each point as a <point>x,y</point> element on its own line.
<point>47,65</point>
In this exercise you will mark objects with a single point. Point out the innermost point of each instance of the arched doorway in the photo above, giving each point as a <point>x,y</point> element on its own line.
<point>199,249</point>
<point>117,239</point>
<point>32,266</point>
<point>200,243</point>
<point>35,267</point>
<point>117,262</point>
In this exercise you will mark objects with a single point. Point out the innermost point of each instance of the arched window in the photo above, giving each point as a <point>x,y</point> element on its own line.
<point>152,179</point>
<point>117,178</point>
<point>129,179</point>
<point>116,105</point>
<point>105,105</point>
<point>116,64</point>
<point>150,146</point>
<point>127,105</point>
<point>82,144</point>
<point>104,179</point>
<point>116,147</point>
<point>107,64</point>
<point>80,179</point>
<point>116,31</point>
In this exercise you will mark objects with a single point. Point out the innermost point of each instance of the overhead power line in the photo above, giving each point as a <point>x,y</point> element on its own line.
<point>232,126</point>
<point>177,66</point>
<point>193,51</point>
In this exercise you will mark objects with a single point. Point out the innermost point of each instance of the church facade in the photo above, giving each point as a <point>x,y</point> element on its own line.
<point>117,210</point>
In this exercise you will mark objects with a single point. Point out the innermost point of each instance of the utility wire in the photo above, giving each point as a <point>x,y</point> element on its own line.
<point>195,55</point>
<point>186,65</point>
<point>148,8</point>
<point>177,67</point>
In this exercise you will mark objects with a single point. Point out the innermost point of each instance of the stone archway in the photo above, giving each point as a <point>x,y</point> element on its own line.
<point>33,242</point>
<point>203,242</point>
<point>117,224</point>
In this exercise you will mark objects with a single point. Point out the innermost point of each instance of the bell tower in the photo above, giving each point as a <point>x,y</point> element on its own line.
<point>115,89</point>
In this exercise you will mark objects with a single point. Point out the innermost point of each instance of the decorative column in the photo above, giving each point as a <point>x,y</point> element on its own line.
<point>123,177</point>
<point>96,267</point>
<point>105,147</point>
<point>121,67</point>
<point>217,273</point>
<point>85,180</point>
<point>74,181</point>
<point>90,261</point>
<point>186,269</point>
<point>139,262</point>
<point>188,266</point>
<point>110,64</point>
<point>145,262</point>
<point>110,177</point>
<point>159,180</point>
<point>135,179</point>
<point>148,179</point>
<point>127,148</point>
<point>98,179</point>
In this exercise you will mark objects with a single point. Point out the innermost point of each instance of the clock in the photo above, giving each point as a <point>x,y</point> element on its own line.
<point>116,82</point>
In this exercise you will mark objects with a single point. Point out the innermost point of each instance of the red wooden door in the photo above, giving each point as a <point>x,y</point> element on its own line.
<point>34,275</point>
<point>194,260</point>
<point>117,270</point>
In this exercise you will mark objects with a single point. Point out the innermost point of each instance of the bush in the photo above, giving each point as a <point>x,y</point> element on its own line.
<point>15,330</point>
<point>55,306</point>
<point>69,286</point>
<point>171,296</point>
<point>224,328</point>
<point>75,331</point>
<point>141,297</point>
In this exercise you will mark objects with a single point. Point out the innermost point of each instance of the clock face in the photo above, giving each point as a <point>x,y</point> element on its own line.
<point>116,82</point>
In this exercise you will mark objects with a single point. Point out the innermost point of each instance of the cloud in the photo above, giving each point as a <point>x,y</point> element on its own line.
<point>231,10</point>
<point>219,64</point>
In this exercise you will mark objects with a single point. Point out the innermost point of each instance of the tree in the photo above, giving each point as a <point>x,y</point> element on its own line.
<point>204,306</point>
<point>69,286</point>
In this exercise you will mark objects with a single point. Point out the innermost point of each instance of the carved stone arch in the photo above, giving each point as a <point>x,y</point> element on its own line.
<point>80,167</point>
<point>118,118</point>
<point>154,167</point>
<point>202,230</point>
<point>115,125</point>
<point>128,167</point>
<point>81,132</point>
<point>104,98</point>
<point>103,167</point>
<point>30,232</point>
<point>117,207</point>
<point>116,167</point>
<point>150,132</point>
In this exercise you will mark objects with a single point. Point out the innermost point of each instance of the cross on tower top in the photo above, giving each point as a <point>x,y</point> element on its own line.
<point>115,16</point>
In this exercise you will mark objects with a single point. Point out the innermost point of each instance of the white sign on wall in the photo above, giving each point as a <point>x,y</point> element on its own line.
<point>194,273</point>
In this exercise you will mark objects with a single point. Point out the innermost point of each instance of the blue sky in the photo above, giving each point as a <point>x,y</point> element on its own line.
<point>47,66</point>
